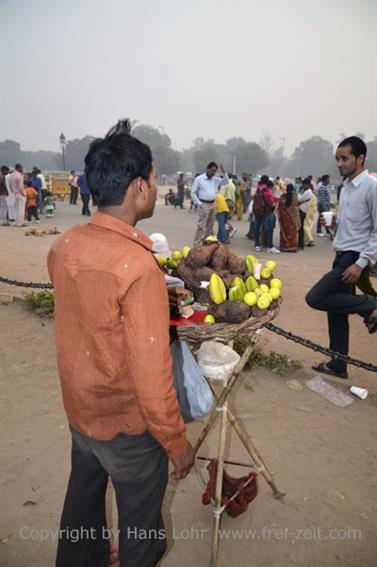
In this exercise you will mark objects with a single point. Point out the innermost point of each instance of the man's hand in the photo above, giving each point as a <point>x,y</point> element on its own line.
<point>351,274</point>
<point>177,296</point>
<point>183,463</point>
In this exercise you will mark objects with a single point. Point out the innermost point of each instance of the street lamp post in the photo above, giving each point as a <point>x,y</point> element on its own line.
<point>62,145</point>
<point>282,144</point>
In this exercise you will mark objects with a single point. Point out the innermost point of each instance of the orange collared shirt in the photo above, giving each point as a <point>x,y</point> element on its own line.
<point>112,334</point>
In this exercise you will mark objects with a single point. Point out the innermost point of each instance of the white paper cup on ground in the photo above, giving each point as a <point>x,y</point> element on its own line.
<point>256,269</point>
<point>328,216</point>
<point>359,392</point>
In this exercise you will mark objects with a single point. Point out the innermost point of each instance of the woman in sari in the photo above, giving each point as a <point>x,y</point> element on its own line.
<point>289,220</point>
<point>309,221</point>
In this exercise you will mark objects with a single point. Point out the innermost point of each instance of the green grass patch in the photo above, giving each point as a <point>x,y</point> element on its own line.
<point>42,303</point>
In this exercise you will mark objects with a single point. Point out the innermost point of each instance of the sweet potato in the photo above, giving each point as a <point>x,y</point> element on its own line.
<point>219,258</point>
<point>200,255</point>
<point>187,274</point>
<point>236,264</point>
<point>203,274</point>
<point>256,312</point>
<point>230,312</point>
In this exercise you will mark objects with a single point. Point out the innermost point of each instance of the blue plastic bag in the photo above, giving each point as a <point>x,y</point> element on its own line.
<point>193,393</point>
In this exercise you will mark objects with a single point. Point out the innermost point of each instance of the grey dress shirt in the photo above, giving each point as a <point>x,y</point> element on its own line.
<point>357,219</point>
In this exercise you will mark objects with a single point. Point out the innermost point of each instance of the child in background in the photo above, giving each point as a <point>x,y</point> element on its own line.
<point>49,206</point>
<point>31,202</point>
<point>222,212</point>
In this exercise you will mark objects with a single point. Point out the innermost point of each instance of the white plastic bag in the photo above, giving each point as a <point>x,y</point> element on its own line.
<point>193,393</point>
<point>217,361</point>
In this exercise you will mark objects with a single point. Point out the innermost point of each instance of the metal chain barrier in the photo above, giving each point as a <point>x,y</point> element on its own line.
<point>26,284</point>
<point>270,326</point>
<point>318,348</point>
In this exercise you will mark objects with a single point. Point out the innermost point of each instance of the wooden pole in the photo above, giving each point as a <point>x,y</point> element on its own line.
<point>219,484</point>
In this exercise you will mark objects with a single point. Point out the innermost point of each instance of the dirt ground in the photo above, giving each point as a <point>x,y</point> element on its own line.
<point>322,456</point>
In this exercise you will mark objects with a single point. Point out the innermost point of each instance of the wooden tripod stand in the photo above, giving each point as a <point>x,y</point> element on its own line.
<point>228,416</point>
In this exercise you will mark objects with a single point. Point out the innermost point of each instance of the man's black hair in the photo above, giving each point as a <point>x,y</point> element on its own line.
<point>358,146</point>
<point>4,170</point>
<point>29,183</point>
<point>264,179</point>
<point>325,177</point>
<point>270,184</point>
<point>212,164</point>
<point>113,162</point>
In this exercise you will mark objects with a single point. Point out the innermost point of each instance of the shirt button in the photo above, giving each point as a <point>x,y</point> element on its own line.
<point>87,353</point>
<point>66,240</point>
<point>135,234</point>
<point>125,266</point>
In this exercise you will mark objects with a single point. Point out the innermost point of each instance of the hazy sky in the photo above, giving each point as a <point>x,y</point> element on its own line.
<point>211,69</point>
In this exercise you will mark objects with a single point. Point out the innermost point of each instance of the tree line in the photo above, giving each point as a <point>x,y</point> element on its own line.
<point>313,156</point>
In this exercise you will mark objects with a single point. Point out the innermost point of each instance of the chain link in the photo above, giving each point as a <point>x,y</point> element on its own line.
<point>318,348</point>
<point>270,326</point>
<point>26,284</point>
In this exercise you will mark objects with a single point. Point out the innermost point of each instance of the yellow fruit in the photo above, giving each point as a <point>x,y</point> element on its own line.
<point>263,302</point>
<point>270,296</point>
<point>251,283</point>
<point>250,298</point>
<point>264,288</point>
<point>162,260</point>
<point>258,291</point>
<point>185,251</point>
<point>209,319</point>
<point>275,292</point>
<point>236,293</point>
<point>271,265</point>
<point>265,274</point>
<point>176,255</point>
<point>210,238</point>
<point>238,282</point>
<point>217,289</point>
<point>275,282</point>
<point>172,264</point>
<point>250,261</point>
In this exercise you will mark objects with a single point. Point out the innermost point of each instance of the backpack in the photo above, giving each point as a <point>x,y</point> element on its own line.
<point>261,206</point>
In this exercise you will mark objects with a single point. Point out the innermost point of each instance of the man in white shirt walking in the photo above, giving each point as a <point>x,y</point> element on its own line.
<point>16,183</point>
<point>355,246</point>
<point>203,194</point>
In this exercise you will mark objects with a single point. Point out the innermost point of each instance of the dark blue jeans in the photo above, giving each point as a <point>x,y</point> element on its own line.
<point>267,221</point>
<point>138,468</point>
<point>222,234</point>
<point>339,300</point>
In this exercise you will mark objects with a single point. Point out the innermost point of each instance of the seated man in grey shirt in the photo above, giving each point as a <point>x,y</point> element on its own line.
<point>203,194</point>
<point>355,246</point>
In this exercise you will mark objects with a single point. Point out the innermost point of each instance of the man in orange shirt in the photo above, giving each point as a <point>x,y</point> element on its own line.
<point>112,337</point>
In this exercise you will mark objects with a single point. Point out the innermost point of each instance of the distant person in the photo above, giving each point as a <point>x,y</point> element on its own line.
<point>244,193</point>
<point>310,220</point>
<point>31,202</point>
<point>3,196</point>
<point>289,220</point>
<point>238,198</point>
<point>263,209</point>
<point>324,196</point>
<point>85,194</point>
<point>37,184</point>
<point>203,193</point>
<point>16,183</point>
<point>73,186</point>
<point>180,191</point>
<point>170,197</point>
<point>304,197</point>
<point>355,247</point>
<point>222,211</point>
<point>42,178</point>
<point>297,184</point>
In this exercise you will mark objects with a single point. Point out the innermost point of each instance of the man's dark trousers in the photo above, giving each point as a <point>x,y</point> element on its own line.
<point>339,300</point>
<point>138,467</point>
<point>85,205</point>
